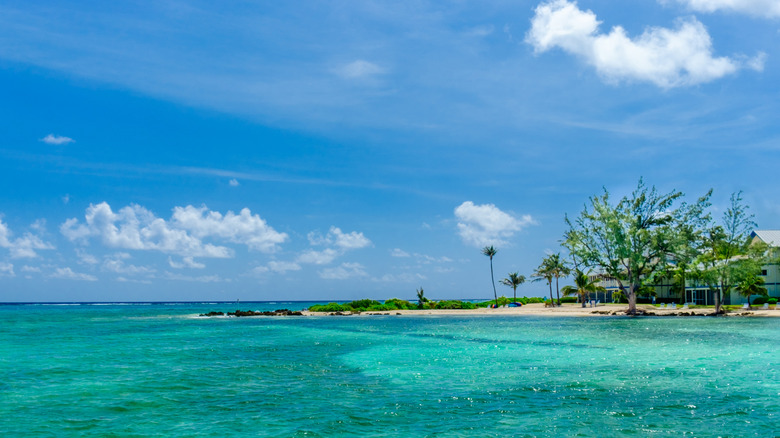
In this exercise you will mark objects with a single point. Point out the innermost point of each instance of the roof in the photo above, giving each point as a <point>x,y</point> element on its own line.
<point>770,237</point>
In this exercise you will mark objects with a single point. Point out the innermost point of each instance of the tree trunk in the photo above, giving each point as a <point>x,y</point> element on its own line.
<point>493,281</point>
<point>514,294</point>
<point>557,292</point>
<point>552,300</point>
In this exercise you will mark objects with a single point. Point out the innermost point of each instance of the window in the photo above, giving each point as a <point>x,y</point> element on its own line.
<point>763,272</point>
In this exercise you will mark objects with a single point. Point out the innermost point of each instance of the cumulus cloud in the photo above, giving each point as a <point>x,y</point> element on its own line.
<point>134,227</point>
<point>759,8</point>
<point>318,257</point>
<point>68,274</point>
<point>337,242</point>
<point>359,69</point>
<point>198,279</point>
<point>57,139</point>
<point>343,272</point>
<point>234,183</point>
<point>118,266</point>
<point>6,270</point>
<point>486,224</point>
<point>665,57</point>
<point>24,246</point>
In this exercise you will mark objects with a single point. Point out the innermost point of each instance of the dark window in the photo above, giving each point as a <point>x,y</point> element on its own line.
<point>763,272</point>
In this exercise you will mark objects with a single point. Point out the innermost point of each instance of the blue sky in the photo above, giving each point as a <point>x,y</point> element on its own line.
<point>186,150</point>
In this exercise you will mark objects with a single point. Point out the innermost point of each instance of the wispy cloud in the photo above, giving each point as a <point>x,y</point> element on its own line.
<point>69,274</point>
<point>57,139</point>
<point>343,272</point>
<point>359,69</point>
<point>758,8</point>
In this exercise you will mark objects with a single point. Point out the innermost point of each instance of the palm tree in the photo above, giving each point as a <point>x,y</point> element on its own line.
<point>490,252</point>
<point>751,285</point>
<point>583,287</point>
<point>558,269</point>
<point>421,298</point>
<point>543,272</point>
<point>513,281</point>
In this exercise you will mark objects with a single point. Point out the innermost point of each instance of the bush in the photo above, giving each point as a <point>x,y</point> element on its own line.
<point>400,304</point>
<point>455,304</point>
<point>382,308</point>
<point>760,300</point>
<point>361,305</point>
<point>569,300</point>
<point>330,307</point>
<point>772,301</point>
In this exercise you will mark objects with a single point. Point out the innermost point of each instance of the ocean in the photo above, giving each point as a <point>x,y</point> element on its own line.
<point>148,370</point>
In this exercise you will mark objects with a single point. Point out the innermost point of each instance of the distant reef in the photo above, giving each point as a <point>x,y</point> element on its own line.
<point>240,313</point>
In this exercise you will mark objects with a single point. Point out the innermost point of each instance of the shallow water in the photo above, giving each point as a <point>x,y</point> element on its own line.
<point>157,370</point>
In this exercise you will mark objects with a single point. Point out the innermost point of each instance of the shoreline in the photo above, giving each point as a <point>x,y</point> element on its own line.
<point>566,310</point>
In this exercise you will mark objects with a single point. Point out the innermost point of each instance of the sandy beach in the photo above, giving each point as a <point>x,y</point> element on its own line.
<point>570,310</point>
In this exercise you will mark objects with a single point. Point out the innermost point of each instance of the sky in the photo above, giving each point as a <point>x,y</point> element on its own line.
<point>335,150</point>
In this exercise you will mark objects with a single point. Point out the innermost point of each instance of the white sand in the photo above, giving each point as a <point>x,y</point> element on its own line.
<point>565,310</point>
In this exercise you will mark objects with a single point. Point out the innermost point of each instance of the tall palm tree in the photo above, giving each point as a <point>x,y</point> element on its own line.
<point>513,281</point>
<point>490,252</point>
<point>421,298</point>
<point>558,269</point>
<point>583,287</point>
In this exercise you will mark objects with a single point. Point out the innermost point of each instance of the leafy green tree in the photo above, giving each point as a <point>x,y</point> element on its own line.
<point>751,284</point>
<point>558,268</point>
<point>490,252</point>
<point>627,241</point>
<point>583,286</point>
<point>725,246</point>
<point>513,280</point>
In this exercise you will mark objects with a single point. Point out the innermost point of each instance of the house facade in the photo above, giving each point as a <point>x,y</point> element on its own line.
<point>701,294</point>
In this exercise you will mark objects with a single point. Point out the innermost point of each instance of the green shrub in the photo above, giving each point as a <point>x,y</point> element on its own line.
<point>361,305</point>
<point>760,300</point>
<point>569,300</point>
<point>330,307</point>
<point>400,304</point>
<point>382,308</point>
<point>772,301</point>
<point>455,304</point>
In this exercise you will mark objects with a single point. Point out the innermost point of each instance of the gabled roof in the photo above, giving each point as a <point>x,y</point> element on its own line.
<point>770,237</point>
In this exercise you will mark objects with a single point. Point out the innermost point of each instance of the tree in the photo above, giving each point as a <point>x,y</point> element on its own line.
<point>513,280</point>
<point>583,287</point>
<point>490,252</point>
<point>421,300</point>
<point>725,249</point>
<point>543,272</point>
<point>687,243</point>
<point>628,241</point>
<point>558,269</point>
<point>751,284</point>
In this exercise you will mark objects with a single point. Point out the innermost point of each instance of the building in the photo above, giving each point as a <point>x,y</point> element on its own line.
<point>701,294</point>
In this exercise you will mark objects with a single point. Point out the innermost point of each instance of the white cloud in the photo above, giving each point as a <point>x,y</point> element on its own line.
<point>244,228</point>
<point>25,246</point>
<point>359,69</point>
<point>665,57</point>
<point>401,278</point>
<point>318,257</point>
<point>57,139</point>
<point>398,252</point>
<point>6,270</point>
<point>759,8</point>
<point>135,227</point>
<point>234,183</point>
<point>118,266</point>
<point>343,272</point>
<point>277,267</point>
<point>27,268</point>
<point>85,258</point>
<point>68,274</point>
<point>187,262</point>
<point>336,237</point>
<point>481,225</point>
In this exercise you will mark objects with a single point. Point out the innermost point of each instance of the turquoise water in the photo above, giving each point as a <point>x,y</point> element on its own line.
<point>158,370</point>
